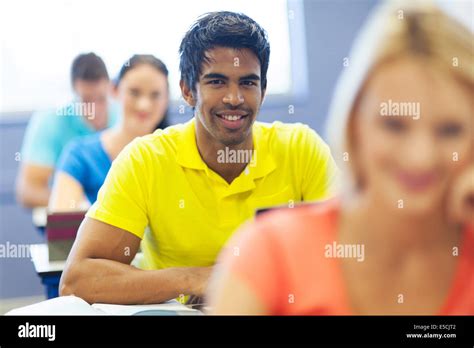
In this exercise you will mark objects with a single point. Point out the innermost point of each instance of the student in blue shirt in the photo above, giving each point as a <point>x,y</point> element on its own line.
<point>143,92</point>
<point>48,132</point>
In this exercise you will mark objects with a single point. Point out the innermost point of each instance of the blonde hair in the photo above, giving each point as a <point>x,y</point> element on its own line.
<point>396,29</point>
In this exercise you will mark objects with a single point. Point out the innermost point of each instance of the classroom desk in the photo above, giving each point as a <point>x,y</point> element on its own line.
<point>50,271</point>
<point>39,217</point>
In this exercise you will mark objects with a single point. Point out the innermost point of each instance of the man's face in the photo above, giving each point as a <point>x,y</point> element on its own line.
<point>228,95</point>
<point>95,92</point>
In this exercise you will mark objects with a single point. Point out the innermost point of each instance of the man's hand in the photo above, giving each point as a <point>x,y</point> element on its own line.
<point>461,198</point>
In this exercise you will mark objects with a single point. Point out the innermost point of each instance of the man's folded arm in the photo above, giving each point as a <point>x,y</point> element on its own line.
<point>32,185</point>
<point>98,270</point>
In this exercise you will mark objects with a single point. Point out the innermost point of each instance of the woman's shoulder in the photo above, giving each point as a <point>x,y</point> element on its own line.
<point>80,149</point>
<point>85,142</point>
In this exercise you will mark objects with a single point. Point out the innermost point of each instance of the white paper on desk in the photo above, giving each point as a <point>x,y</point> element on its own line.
<point>65,305</point>
<point>114,309</point>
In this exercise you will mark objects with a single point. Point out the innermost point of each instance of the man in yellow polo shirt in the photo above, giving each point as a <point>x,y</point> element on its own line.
<point>191,185</point>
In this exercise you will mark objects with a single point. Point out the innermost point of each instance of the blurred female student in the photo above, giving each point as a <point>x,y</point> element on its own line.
<point>401,125</point>
<point>142,90</point>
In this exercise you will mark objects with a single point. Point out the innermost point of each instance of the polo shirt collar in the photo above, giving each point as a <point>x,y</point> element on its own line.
<point>188,156</point>
<point>187,152</point>
<point>265,163</point>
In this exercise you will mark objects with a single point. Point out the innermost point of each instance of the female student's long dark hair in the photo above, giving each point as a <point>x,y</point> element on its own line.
<point>149,59</point>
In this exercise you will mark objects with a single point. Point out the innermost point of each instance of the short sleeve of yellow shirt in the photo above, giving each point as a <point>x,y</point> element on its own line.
<point>319,173</point>
<point>122,200</point>
<point>160,181</point>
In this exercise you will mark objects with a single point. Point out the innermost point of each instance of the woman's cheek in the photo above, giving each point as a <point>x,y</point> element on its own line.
<point>458,157</point>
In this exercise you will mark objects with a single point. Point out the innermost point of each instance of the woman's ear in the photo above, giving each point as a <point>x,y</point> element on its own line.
<point>187,93</point>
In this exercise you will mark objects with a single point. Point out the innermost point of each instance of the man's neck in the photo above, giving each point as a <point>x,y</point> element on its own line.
<point>215,155</point>
<point>95,123</point>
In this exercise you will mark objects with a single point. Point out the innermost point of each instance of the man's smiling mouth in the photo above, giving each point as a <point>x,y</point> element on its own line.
<point>232,115</point>
<point>232,119</point>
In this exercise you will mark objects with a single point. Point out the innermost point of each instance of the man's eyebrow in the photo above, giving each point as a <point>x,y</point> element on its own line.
<point>215,76</point>
<point>254,77</point>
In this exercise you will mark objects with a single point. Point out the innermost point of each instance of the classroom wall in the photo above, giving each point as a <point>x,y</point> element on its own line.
<point>330,27</point>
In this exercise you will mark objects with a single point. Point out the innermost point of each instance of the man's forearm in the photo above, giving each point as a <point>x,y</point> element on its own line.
<point>34,196</point>
<point>107,281</point>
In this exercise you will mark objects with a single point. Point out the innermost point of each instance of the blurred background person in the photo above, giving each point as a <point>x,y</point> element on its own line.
<point>401,126</point>
<point>49,132</point>
<point>142,91</point>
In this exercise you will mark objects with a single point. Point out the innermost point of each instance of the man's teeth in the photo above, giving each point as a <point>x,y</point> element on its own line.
<point>231,117</point>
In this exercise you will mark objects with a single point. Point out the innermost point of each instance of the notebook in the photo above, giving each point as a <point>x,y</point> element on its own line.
<point>73,305</point>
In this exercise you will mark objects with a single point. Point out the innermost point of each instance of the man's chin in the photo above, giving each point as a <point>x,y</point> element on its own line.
<point>231,142</point>
<point>234,138</point>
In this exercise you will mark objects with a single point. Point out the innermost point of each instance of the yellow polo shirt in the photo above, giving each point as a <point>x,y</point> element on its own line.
<point>160,181</point>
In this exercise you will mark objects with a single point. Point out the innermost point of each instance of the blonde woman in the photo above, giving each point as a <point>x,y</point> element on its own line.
<point>399,239</point>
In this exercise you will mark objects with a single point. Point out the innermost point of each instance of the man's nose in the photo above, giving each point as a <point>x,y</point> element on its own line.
<point>233,96</point>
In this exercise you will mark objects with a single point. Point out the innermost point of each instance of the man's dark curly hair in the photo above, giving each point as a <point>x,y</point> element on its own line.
<point>225,29</point>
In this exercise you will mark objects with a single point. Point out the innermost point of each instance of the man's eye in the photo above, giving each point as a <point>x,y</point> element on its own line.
<point>394,125</point>
<point>249,83</point>
<point>450,130</point>
<point>216,82</point>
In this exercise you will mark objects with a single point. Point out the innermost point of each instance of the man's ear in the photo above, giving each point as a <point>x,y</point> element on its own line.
<point>187,93</point>
<point>264,91</point>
